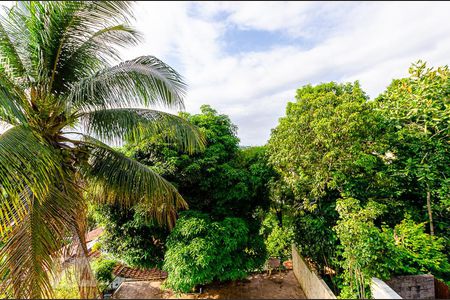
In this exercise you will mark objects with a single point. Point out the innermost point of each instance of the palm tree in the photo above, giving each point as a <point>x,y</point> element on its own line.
<point>65,101</point>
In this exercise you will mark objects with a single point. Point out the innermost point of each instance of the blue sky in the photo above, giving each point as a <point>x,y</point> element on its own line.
<point>246,59</point>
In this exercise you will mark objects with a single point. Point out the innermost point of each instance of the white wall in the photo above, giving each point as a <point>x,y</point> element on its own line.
<point>380,290</point>
<point>312,285</point>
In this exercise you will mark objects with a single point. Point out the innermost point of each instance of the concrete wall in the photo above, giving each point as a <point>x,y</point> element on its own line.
<point>312,285</point>
<point>413,286</point>
<point>380,290</point>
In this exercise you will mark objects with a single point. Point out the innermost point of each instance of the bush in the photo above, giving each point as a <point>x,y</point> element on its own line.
<point>368,251</point>
<point>103,269</point>
<point>131,236</point>
<point>416,252</point>
<point>200,250</point>
<point>278,239</point>
<point>363,248</point>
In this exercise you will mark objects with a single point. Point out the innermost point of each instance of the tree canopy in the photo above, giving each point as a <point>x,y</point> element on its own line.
<point>341,155</point>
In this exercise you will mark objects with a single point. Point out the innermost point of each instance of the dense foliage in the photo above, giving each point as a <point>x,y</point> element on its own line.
<point>318,146</point>
<point>131,236</point>
<point>278,238</point>
<point>200,250</point>
<point>370,251</point>
<point>392,154</point>
<point>362,248</point>
<point>222,180</point>
<point>103,271</point>
<point>417,110</point>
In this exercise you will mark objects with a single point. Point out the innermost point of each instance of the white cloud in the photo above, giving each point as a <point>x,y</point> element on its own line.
<point>370,42</point>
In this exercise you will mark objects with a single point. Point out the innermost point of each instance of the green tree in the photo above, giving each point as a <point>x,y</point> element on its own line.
<point>323,149</point>
<point>321,140</point>
<point>131,236</point>
<point>222,180</point>
<point>63,99</point>
<point>418,109</point>
<point>391,152</point>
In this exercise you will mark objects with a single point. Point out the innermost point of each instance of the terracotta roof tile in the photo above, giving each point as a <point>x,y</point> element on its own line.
<point>138,274</point>
<point>94,254</point>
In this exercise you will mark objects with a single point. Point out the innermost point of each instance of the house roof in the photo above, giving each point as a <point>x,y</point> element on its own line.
<point>94,234</point>
<point>94,254</point>
<point>138,274</point>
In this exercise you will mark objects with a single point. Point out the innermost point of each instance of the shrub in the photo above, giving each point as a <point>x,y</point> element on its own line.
<point>362,247</point>
<point>131,236</point>
<point>103,269</point>
<point>201,250</point>
<point>368,251</point>
<point>416,252</point>
<point>278,239</point>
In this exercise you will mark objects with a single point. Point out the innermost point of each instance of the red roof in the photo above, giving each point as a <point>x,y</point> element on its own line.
<point>94,234</point>
<point>94,254</point>
<point>139,274</point>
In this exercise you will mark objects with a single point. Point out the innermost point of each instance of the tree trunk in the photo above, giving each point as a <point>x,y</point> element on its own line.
<point>430,214</point>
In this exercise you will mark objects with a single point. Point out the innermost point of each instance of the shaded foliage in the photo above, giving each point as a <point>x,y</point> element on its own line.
<point>103,271</point>
<point>132,237</point>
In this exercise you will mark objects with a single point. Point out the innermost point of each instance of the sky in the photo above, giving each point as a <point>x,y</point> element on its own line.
<point>246,59</point>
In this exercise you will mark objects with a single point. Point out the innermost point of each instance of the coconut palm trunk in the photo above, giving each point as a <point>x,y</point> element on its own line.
<point>65,101</point>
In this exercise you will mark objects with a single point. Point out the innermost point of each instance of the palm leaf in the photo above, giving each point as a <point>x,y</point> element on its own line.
<point>142,81</point>
<point>113,125</point>
<point>92,52</point>
<point>11,109</point>
<point>10,61</point>
<point>34,243</point>
<point>115,178</point>
<point>27,169</point>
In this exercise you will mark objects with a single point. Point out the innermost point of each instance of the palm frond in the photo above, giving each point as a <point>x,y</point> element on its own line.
<point>115,178</point>
<point>92,53</point>
<point>86,281</point>
<point>27,169</point>
<point>11,105</point>
<point>142,81</point>
<point>135,124</point>
<point>40,38</point>
<point>10,61</point>
<point>33,244</point>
